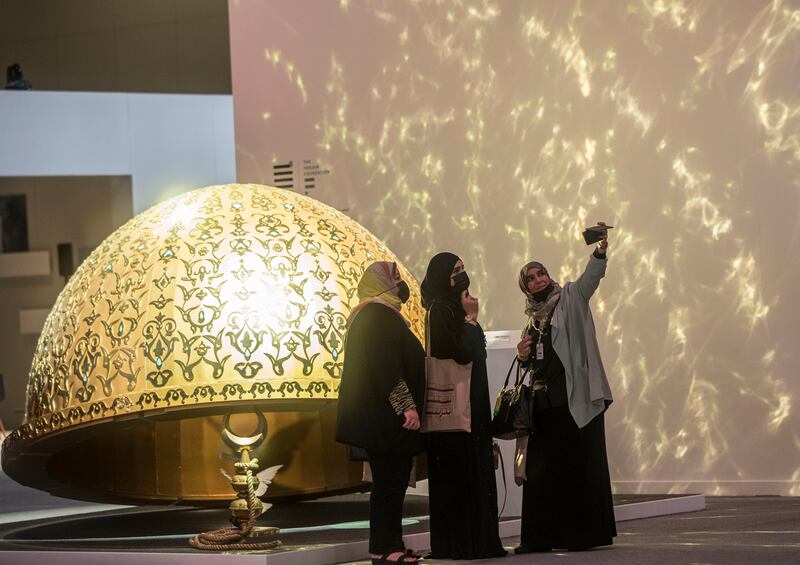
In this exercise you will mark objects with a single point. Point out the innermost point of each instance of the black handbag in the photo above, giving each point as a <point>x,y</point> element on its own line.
<point>513,409</point>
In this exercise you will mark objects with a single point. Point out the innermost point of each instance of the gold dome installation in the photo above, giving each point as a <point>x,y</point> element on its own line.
<point>224,298</point>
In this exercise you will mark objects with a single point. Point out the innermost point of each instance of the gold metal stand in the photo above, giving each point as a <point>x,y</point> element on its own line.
<point>246,507</point>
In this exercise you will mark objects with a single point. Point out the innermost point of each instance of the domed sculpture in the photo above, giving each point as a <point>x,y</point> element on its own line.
<point>231,297</point>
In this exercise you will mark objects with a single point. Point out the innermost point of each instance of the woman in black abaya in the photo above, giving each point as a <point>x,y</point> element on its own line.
<point>566,497</point>
<point>383,382</point>
<point>461,476</point>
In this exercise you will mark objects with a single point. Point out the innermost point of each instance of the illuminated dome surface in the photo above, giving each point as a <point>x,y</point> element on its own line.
<point>225,298</point>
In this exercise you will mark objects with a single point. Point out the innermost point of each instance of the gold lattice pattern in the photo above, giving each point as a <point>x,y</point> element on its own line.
<point>227,293</point>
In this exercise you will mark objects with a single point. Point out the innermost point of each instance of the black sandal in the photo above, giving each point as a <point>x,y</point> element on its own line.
<point>407,558</point>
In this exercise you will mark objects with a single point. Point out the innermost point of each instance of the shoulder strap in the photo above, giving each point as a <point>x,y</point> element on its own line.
<point>428,332</point>
<point>496,450</point>
<point>428,326</point>
<point>525,373</point>
<point>511,368</point>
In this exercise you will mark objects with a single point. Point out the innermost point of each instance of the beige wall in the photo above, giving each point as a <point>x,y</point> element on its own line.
<point>78,210</point>
<point>175,46</point>
<point>497,130</point>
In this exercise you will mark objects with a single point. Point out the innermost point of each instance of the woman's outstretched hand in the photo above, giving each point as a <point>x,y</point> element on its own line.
<point>602,244</point>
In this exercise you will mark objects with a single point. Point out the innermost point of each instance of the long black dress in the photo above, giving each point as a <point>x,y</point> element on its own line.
<point>461,475</point>
<point>566,499</point>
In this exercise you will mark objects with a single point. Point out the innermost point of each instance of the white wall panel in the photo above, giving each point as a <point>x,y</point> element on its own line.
<point>167,143</point>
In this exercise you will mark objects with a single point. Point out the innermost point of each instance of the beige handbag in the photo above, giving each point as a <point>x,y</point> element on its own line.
<point>447,405</point>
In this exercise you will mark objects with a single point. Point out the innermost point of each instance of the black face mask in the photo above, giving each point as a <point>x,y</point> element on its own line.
<point>460,282</point>
<point>403,292</point>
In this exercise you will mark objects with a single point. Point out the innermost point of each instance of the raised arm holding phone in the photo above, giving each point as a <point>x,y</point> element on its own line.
<point>566,502</point>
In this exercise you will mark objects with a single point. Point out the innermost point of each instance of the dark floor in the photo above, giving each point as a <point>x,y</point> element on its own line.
<point>339,519</point>
<point>747,530</point>
<point>33,520</point>
<point>731,531</point>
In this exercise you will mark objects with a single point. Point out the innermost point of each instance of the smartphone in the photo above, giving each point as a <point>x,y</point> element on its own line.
<point>592,234</point>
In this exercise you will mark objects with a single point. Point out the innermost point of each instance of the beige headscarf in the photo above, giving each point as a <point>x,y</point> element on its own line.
<point>378,284</point>
<point>538,311</point>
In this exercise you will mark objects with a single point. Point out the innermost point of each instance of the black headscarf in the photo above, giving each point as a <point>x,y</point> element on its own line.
<point>436,285</point>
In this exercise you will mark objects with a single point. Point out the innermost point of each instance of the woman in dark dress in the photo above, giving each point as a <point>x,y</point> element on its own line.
<point>383,382</point>
<point>461,475</point>
<point>566,497</point>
